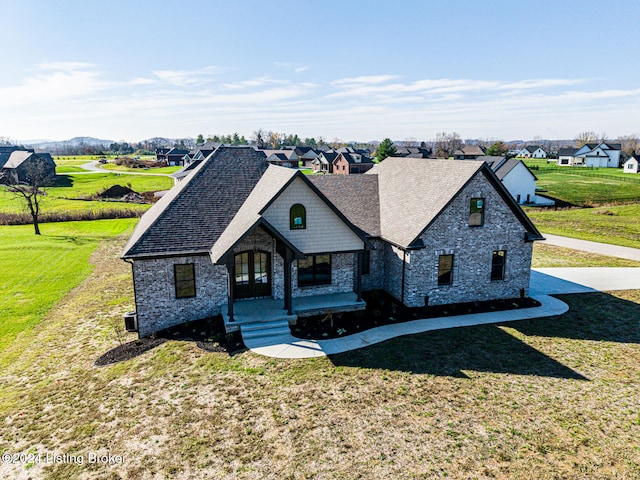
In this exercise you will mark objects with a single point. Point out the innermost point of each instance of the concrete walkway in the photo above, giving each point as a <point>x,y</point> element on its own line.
<point>544,282</point>
<point>288,346</point>
<point>593,247</point>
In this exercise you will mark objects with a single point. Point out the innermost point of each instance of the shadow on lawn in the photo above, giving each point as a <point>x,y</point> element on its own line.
<point>484,348</point>
<point>488,348</point>
<point>592,316</point>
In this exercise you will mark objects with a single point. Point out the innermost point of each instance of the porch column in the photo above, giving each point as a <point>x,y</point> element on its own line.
<point>231,275</point>
<point>360,257</point>
<point>288,300</point>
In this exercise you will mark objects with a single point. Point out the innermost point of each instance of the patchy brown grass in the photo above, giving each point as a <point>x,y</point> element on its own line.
<point>545,256</point>
<point>549,398</point>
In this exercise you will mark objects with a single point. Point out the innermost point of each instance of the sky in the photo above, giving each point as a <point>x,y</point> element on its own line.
<point>353,70</point>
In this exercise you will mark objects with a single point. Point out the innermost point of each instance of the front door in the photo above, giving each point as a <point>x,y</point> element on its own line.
<point>253,274</point>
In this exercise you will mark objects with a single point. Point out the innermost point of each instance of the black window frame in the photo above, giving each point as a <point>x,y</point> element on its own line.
<point>474,210</point>
<point>318,278</point>
<point>293,215</point>
<point>445,272</point>
<point>498,267</point>
<point>180,283</point>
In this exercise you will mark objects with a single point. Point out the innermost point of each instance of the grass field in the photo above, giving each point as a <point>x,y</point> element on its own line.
<point>581,190</point>
<point>122,168</point>
<point>545,399</point>
<point>37,271</point>
<point>64,197</point>
<point>545,256</point>
<point>619,225</point>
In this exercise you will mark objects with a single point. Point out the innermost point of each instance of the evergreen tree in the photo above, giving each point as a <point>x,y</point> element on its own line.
<point>385,149</point>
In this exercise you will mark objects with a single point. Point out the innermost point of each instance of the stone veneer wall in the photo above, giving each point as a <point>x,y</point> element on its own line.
<point>342,267</point>
<point>472,248</point>
<point>156,303</point>
<point>375,279</point>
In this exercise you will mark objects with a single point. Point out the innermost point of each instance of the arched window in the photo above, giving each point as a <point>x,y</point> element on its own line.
<point>297,217</point>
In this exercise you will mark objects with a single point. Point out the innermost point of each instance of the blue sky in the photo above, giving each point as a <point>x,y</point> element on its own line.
<point>354,70</point>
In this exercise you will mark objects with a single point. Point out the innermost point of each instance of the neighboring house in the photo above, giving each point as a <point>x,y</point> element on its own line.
<point>412,152</point>
<point>598,155</point>
<point>282,158</point>
<point>324,162</point>
<point>468,152</point>
<point>428,232</point>
<point>351,163</point>
<point>631,165</point>
<point>20,162</point>
<point>566,156</point>
<point>161,154</point>
<point>307,155</point>
<point>177,156</point>
<point>365,152</point>
<point>518,179</point>
<point>532,151</point>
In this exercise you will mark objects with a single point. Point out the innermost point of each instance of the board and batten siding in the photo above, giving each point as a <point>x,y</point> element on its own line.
<point>325,231</point>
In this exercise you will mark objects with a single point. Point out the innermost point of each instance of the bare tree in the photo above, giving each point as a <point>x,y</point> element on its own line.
<point>36,178</point>
<point>260,138</point>
<point>447,143</point>
<point>630,144</point>
<point>585,137</point>
<point>410,142</point>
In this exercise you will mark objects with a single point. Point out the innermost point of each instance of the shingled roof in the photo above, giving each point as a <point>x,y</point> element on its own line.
<point>193,214</point>
<point>356,196</point>
<point>413,191</point>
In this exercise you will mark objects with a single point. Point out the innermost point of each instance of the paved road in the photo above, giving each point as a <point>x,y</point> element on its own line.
<point>95,167</point>
<point>593,247</point>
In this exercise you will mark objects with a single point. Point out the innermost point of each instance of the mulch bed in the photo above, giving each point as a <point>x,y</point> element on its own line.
<point>383,309</point>
<point>208,334</point>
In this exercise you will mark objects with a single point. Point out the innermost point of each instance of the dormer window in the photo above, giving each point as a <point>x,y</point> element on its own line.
<point>297,217</point>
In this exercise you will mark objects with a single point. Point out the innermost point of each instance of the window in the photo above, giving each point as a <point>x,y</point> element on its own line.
<point>366,262</point>
<point>498,261</point>
<point>445,270</point>
<point>476,212</point>
<point>297,217</point>
<point>185,280</point>
<point>314,270</point>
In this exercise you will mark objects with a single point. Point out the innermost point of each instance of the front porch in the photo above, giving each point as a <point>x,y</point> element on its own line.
<point>264,310</point>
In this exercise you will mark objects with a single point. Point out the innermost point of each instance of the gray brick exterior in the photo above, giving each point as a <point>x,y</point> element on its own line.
<point>472,248</point>
<point>156,303</point>
<point>375,279</point>
<point>158,308</point>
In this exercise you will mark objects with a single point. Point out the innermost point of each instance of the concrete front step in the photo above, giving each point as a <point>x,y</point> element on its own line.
<point>265,329</point>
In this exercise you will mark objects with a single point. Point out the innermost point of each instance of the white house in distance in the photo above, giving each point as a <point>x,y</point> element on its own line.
<point>631,165</point>
<point>566,157</point>
<point>595,155</point>
<point>532,151</point>
<point>519,180</point>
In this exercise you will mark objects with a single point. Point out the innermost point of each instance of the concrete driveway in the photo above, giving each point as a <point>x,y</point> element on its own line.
<point>551,281</point>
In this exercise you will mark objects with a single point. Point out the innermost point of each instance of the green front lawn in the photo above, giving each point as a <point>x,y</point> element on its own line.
<point>37,271</point>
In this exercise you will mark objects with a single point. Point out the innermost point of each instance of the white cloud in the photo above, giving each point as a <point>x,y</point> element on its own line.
<point>79,98</point>
<point>185,78</point>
